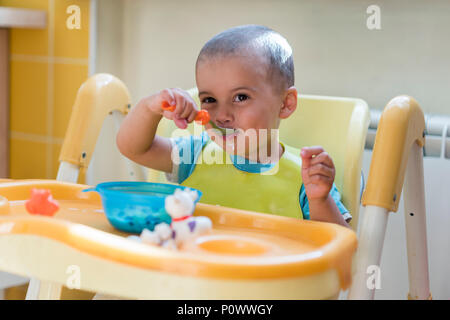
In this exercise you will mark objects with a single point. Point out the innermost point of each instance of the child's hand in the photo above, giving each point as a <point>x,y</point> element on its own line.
<point>317,172</point>
<point>184,111</point>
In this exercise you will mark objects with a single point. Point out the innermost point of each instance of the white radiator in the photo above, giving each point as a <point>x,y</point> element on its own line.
<point>437,139</point>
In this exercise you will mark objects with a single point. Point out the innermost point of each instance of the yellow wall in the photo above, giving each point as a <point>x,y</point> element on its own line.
<point>46,69</point>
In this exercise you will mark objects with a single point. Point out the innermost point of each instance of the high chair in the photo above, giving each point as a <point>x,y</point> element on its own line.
<point>341,131</point>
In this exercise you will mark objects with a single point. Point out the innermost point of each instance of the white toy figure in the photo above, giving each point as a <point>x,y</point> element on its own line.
<point>162,233</point>
<point>189,228</point>
<point>180,206</point>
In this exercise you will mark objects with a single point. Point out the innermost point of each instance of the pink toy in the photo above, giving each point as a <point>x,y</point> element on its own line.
<point>41,202</point>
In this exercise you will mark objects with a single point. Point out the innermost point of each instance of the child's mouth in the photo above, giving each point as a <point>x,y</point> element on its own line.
<point>225,133</point>
<point>230,134</point>
<point>222,131</point>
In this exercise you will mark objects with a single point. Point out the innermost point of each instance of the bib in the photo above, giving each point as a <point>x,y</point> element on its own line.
<point>275,191</point>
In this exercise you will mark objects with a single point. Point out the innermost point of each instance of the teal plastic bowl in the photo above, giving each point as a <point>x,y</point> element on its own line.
<point>133,206</point>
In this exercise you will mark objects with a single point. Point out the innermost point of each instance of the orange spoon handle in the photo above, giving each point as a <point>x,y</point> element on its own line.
<point>166,106</point>
<point>201,117</point>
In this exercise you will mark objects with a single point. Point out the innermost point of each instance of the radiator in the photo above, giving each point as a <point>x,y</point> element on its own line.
<point>437,139</point>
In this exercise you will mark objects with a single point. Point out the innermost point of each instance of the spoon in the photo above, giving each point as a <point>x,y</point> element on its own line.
<point>202,117</point>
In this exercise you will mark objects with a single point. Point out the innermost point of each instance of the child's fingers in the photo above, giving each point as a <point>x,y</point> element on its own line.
<point>321,169</point>
<point>185,103</point>
<point>178,106</point>
<point>305,163</point>
<point>168,115</point>
<point>320,179</point>
<point>187,110</point>
<point>192,116</point>
<point>324,158</point>
<point>308,152</point>
<point>181,105</point>
<point>168,96</point>
<point>179,122</point>
<point>188,98</point>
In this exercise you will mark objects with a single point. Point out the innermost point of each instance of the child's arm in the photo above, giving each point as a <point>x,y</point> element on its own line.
<point>136,138</point>
<point>318,176</point>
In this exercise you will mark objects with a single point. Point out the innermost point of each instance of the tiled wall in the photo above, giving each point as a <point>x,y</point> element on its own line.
<point>46,69</point>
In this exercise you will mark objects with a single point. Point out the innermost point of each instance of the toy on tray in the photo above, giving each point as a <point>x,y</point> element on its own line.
<point>184,227</point>
<point>135,206</point>
<point>41,202</point>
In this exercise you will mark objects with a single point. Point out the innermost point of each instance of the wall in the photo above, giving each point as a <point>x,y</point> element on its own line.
<point>334,52</point>
<point>110,36</point>
<point>47,67</point>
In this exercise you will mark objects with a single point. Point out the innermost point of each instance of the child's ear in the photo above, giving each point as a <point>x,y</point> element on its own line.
<point>289,102</point>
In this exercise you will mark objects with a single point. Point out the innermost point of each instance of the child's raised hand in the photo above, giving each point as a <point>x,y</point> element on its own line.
<point>317,172</point>
<point>181,108</point>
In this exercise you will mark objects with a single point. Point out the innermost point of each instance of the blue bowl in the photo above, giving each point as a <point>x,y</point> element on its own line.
<point>133,206</point>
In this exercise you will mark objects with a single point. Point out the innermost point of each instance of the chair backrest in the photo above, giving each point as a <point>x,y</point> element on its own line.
<point>337,124</point>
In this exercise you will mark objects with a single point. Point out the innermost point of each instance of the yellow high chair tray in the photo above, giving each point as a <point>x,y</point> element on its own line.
<point>248,255</point>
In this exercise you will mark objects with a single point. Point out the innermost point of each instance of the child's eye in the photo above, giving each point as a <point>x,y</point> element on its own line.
<point>240,97</point>
<point>208,100</point>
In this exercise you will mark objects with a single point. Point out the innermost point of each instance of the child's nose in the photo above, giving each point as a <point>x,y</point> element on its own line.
<point>226,123</point>
<point>224,118</point>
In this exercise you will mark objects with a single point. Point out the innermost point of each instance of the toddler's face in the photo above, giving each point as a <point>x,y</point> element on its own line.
<point>238,94</point>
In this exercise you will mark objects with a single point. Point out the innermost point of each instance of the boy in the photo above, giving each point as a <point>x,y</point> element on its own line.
<point>245,78</point>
